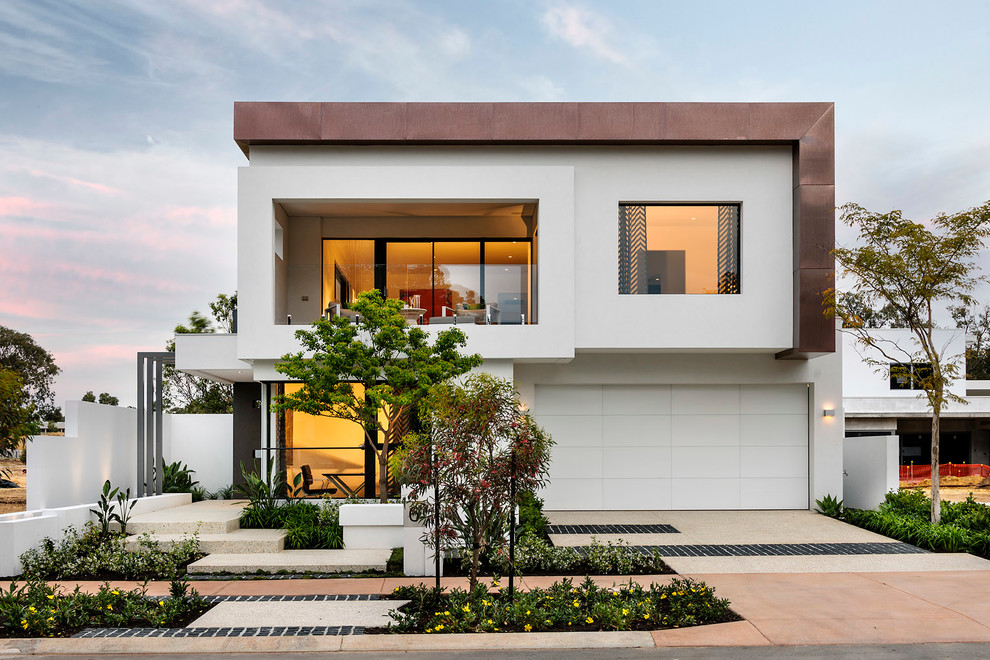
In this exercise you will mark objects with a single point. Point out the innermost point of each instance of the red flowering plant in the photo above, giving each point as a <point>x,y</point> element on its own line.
<point>476,438</point>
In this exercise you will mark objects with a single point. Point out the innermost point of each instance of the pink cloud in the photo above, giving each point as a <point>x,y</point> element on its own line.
<point>97,354</point>
<point>21,206</point>
<point>98,187</point>
<point>215,216</point>
<point>27,308</point>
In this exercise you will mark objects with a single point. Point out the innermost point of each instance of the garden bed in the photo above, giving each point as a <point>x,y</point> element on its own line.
<point>36,609</point>
<point>562,607</point>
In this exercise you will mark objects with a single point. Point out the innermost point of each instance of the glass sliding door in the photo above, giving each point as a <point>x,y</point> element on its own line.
<point>456,277</point>
<point>508,272</point>
<point>409,274</point>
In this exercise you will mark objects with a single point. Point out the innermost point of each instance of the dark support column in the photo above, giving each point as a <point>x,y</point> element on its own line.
<point>149,421</point>
<point>247,426</point>
<point>140,426</point>
<point>159,429</point>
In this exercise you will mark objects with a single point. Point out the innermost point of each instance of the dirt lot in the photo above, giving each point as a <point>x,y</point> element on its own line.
<point>957,489</point>
<point>14,499</point>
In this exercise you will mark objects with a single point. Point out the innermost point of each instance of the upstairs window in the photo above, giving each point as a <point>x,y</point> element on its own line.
<point>669,249</point>
<point>909,375</point>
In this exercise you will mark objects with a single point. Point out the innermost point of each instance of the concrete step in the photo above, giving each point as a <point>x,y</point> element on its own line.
<point>294,561</point>
<point>241,541</point>
<point>207,517</point>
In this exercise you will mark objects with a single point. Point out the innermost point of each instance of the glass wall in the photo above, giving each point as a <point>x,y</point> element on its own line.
<point>669,249</point>
<point>348,269</point>
<point>456,276</point>
<point>334,449</point>
<point>508,271</point>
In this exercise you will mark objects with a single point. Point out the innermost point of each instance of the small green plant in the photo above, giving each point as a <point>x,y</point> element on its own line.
<point>532,522</point>
<point>830,506</point>
<point>106,514</point>
<point>177,478</point>
<point>126,505</point>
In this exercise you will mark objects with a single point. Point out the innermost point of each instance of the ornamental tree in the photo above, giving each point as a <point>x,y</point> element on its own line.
<point>476,438</point>
<point>395,363</point>
<point>911,269</point>
<point>17,412</point>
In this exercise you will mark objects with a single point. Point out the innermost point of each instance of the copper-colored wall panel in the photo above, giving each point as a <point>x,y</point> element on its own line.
<point>707,121</point>
<point>368,122</point>
<point>535,122</point>
<point>814,226</point>
<point>816,152</point>
<point>449,121</point>
<point>814,333</point>
<point>622,121</point>
<point>285,122</point>
<point>771,121</point>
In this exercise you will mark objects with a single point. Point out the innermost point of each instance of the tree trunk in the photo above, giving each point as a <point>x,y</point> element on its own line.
<point>475,559</point>
<point>383,472</point>
<point>936,504</point>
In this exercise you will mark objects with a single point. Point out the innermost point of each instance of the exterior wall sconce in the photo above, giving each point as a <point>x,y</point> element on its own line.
<point>828,412</point>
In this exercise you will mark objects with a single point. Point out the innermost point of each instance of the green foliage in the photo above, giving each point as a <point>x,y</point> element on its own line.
<point>34,366</point>
<point>18,417</point>
<point>975,321</point>
<point>184,393</point>
<point>89,397</point>
<point>477,441</point>
<point>562,606</point>
<point>393,361</point>
<point>177,478</point>
<point>37,609</point>
<point>912,269</point>
<point>829,506</point>
<point>91,555</point>
<point>106,513</point>
<point>104,400</point>
<point>904,516</point>
<point>535,555</point>
<point>395,561</point>
<point>306,525</point>
<point>532,522</point>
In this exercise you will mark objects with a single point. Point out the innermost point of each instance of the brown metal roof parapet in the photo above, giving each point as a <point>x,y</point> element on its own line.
<point>808,127</point>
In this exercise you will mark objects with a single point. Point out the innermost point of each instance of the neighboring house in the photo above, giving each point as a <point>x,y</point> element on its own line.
<point>878,404</point>
<point>649,274</point>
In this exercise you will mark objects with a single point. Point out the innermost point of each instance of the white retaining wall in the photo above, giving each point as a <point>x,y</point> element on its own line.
<point>870,469</point>
<point>100,443</point>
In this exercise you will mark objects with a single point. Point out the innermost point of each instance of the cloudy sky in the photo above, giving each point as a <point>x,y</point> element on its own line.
<point>117,167</point>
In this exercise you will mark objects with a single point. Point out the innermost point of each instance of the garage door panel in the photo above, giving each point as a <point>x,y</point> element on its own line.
<point>769,462</point>
<point>576,463</point>
<point>636,462</point>
<point>704,430</point>
<point>704,462</point>
<point>637,431</point>
<point>773,430</point>
<point>772,399</point>
<point>573,430</point>
<point>704,493</point>
<point>568,400</point>
<point>573,495</point>
<point>780,493</point>
<point>636,400</point>
<point>636,494</point>
<point>704,399</point>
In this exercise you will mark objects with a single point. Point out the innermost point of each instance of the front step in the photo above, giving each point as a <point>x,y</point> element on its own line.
<point>206,517</point>
<point>241,541</point>
<point>294,561</point>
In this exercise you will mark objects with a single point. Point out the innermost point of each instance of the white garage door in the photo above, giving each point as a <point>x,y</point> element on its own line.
<point>676,446</point>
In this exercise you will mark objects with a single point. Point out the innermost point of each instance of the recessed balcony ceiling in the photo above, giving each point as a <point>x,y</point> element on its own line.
<point>358,209</point>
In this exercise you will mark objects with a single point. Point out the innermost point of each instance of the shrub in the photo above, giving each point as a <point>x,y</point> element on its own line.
<point>562,606</point>
<point>177,478</point>
<point>830,506</point>
<point>36,609</point>
<point>534,555</point>
<point>90,554</point>
<point>532,522</point>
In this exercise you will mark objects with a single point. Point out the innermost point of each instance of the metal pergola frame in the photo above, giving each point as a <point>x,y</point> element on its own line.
<point>150,418</point>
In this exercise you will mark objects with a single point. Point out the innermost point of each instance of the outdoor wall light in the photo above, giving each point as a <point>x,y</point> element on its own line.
<point>828,412</point>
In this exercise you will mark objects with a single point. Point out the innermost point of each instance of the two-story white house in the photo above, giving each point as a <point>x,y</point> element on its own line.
<point>648,274</point>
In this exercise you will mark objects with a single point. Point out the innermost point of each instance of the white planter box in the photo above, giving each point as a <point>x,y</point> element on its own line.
<point>369,526</point>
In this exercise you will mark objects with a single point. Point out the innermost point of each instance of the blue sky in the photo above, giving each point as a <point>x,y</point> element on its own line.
<point>117,167</point>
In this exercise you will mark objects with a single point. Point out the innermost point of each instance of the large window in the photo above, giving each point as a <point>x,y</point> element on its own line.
<point>668,249</point>
<point>909,375</point>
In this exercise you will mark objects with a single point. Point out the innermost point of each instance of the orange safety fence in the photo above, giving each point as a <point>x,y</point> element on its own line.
<point>914,473</point>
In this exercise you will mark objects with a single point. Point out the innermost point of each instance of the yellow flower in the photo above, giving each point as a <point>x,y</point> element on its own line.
<point>662,596</point>
<point>485,602</point>
<point>494,582</point>
<point>527,611</point>
<point>32,609</point>
<point>25,626</point>
<point>439,626</point>
<point>590,620</point>
<point>115,592</point>
<point>625,612</point>
<point>646,616</point>
<point>577,604</point>
<point>466,608</point>
<point>446,613</point>
<point>527,627</point>
<point>490,621</point>
<point>109,607</point>
<point>51,597</point>
<point>568,623</point>
<point>161,603</point>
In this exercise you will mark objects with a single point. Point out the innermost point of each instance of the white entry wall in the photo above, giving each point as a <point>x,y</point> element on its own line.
<point>676,446</point>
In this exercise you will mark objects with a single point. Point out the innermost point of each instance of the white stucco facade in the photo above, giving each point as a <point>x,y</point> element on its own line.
<point>654,401</point>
